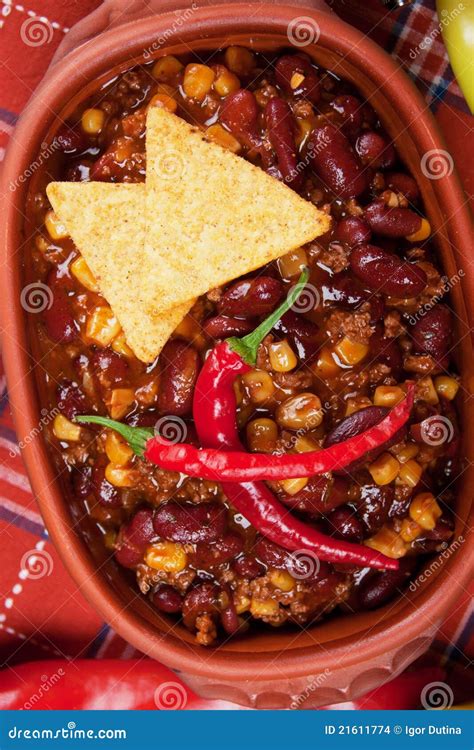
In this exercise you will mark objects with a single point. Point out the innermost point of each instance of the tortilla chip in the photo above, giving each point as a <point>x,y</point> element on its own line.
<point>211,216</point>
<point>107,223</point>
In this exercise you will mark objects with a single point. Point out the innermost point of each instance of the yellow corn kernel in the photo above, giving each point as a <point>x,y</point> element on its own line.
<point>282,356</point>
<point>55,227</point>
<point>120,477</point>
<point>119,402</point>
<point>198,80</point>
<point>264,608</point>
<point>303,411</point>
<point>83,274</point>
<point>384,469</point>
<point>239,60</point>
<point>410,530</point>
<point>351,352</point>
<point>293,263</point>
<point>293,486</point>
<point>446,386</point>
<point>296,80</point>
<point>262,434</point>
<point>356,404</point>
<point>41,244</point>
<point>165,101</point>
<point>110,539</point>
<point>243,605</point>
<point>388,542</point>
<point>117,450</point>
<point>282,580</point>
<point>326,366</point>
<point>166,67</point>
<point>388,395</point>
<point>305,127</point>
<point>409,451</point>
<point>217,134</point>
<point>226,82</point>
<point>93,121</point>
<point>422,234</point>
<point>410,473</point>
<point>119,345</point>
<point>306,444</point>
<point>425,510</point>
<point>167,556</point>
<point>426,391</point>
<point>102,326</point>
<point>259,385</point>
<point>66,430</point>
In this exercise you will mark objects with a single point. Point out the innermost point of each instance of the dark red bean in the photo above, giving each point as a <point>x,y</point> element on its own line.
<point>373,505</point>
<point>219,552</point>
<point>387,351</point>
<point>202,599</point>
<point>134,537</point>
<point>379,588</point>
<point>281,129</point>
<point>105,493</point>
<point>285,69</point>
<point>59,320</point>
<point>190,524</point>
<point>391,222</point>
<point>335,162</point>
<point>79,172</point>
<point>437,539</point>
<point>167,599</point>
<point>109,367</point>
<point>239,112</point>
<point>251,297</point>
<point>302,333</point>
<point>71,400</point>
<point>403,183</point>
<point>343,290</point>
<point>223,326</point>
<point>71,139</point>
<point>320,495</point>
<point>431,334</point>
<point>81,478</point>
<point>271,554</point>
<point>352,230</point>
<point>248,567</point>
<point>351,111</point>
<point>375,151</point>
<point>344,524</point>
<point>179,370</point>
<point>385,272</point>
<point>230,620</point>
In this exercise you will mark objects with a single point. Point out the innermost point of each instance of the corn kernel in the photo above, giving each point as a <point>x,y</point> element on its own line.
<point>119,402</point>
<point>198,80</point>
<point>117,450</point>
<point>356,404</point>
<point>305,127</point>
<point>102,326</point>
<point>326,366</point>
<point>165,101</point>
<point>350,352</point>
<point>426,391</point>
<point>306,444</point>
<point>303,411</point>
<point>239,60</point>
<point>282,356</point>
<point>293,263</point>
<point>217,134</point>
<point>120,477</point>
<point>384,469</point>
<point>388,395</point>
<point>262,434</point>
<point>166,68</point>
<point>388,542</point>
<point>282,580</point>
<point>264,608</point>
<point>425,510</point>
<point>409,451</point>
<point>410,473</point>
<point>226,82</point>
<point>446,386</point>
<point>66,430</point>
<point>119,345</point>
<point>410,530</point>
<point>41,244</point>
<point>167,556</point>
<point>422,234</point>
<point>293,486</point>
<point>93,121</point>
<point>83,274</point>
<point>243,605</point>
<point>55,227</point>
<point>296,80</point>
<point>110,538</point>
<point>259,385</point>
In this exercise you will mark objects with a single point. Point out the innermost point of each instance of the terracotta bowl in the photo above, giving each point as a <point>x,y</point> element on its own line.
<point>342,658</point>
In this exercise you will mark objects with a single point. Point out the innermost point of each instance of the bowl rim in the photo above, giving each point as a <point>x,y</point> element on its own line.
<point>61,83</point>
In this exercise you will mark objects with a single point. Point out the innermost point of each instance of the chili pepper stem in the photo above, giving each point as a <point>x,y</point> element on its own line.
<point>247,346</point>
<point>136,437</point>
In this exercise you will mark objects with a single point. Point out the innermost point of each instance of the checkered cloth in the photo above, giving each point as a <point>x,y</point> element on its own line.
<point>45,616</point>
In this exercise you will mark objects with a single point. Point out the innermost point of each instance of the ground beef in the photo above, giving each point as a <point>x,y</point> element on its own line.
<point>206,630</point>
<point>295,381</point>
<point>380,372</point>
<point>355,325</point>
<point>421,363</point>
<point>393,325</point>
<point>335,257</point>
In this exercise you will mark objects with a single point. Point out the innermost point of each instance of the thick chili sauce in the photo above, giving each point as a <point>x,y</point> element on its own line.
<point>374,315</point>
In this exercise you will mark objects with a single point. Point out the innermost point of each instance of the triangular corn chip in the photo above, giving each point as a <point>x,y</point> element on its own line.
<point>107,222</point>
<point>210,215</point>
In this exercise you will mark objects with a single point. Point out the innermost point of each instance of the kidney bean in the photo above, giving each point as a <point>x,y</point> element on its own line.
<point>190,524</point>
<point>302,334</point>
<point>71,399</point>
<point>391,222</point>
<point>105,493</point>
<point>377,589</point>
<point>431,334</point>
<point>433,541</point>
<point>109,367</point>
<point>287,66</point>
<point>343,290</point>
<point>373,505</point>
<point>385,272</point>
<point>251,297</point>
<point>167,599</point>
<point>219,552</point>
<point>180,365</point>
<point>239,112</point>
<point>352,230</point>
<point>387,351</point>
<point>344,524</point>
<point>202,599</point>
<point>81,479</point>
<point>280,126</point>
<point>79,172</point>
<point>229,618</point>
<point>222,326</point>
<point>374,150</point>
<point>351,111</point>
<point>59,320</point>
<point>134,537</point>
<point>248,567</point>
<point>335,162</point>
<point>403,183</point>
<point>320,495</point>
<point>71,139</point>
<point>271,554</point>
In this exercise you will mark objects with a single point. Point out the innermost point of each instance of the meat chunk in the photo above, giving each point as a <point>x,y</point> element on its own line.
<point>355,325</point>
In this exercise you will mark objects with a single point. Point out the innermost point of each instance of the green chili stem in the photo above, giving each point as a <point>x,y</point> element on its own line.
<point>136,437</point>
